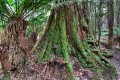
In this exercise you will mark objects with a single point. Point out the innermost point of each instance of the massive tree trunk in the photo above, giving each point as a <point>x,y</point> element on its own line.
<point>110,22</point>
<point>64,37</point>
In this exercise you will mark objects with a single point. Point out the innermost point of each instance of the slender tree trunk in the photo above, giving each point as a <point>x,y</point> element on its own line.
<point>95,25</point>
<point>110,4</point>
<point>99,21</point>
<point>118,13</point>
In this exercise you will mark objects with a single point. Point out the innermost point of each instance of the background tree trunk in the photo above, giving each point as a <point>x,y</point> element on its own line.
<point>99,21</point>
<point>110,4</point>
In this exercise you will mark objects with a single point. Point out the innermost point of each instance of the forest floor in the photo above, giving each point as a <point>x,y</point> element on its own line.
<point>115,60</point>
<point>55,69</point>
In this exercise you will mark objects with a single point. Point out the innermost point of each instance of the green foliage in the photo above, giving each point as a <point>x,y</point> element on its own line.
<point>24,9</point>
<point>117,31</point>
<point>1,28</point>
<point>7,76</point>
<point>118,49</point>
<point>104,32</point>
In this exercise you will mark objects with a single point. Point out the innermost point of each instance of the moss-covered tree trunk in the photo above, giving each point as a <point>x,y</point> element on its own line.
<point>65,33</point>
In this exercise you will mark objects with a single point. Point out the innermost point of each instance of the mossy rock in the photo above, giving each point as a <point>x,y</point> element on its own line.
<point>107,53</point>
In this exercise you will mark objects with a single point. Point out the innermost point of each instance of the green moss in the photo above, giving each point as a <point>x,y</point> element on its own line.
<point>43,49</point>
<point>48,52</point>
<point>64,45</point>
